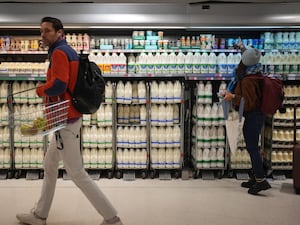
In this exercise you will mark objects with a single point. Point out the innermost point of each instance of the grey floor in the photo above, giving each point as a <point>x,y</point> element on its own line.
<point>159,202</point>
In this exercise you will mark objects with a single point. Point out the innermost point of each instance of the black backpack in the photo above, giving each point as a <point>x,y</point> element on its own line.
<point>89,89</point>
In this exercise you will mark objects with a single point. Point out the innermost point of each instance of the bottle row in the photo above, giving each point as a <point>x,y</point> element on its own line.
<point>208,157</point>
<point>167,63</point>
<point>155,40</point>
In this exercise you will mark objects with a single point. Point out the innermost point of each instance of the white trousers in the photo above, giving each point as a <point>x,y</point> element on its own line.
<point>73,164</point>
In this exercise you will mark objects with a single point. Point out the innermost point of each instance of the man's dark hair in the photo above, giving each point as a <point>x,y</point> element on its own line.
<point>56,23</point>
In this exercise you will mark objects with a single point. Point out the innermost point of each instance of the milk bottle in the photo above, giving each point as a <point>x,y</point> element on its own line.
<point>94,158</point>
<point>6,158</point>
<point>108,137</point>
<point>154,115</point>
<point>278,67</point>
<point>131,163</point>
<point>197,63</point>
<point>161,137</point>
<point>120,92</point>
<point>169,137</point>
<point>176,158</point>
<point>86,42</point>
<point>213,157</point>
<point>158,67</point>
<point>114,63</point>
<point>101,137</point>
<point>165,62</point>
<point>230,63</point>
<point>206,158</point>
<point>278,40</point>
<point>285,40</point>
<point>2,153</point>
<point>122,64</point>
<point>285,62</point>
<point>108,115</point>
<point>173,63</point>
<point>143,115</point>
<point>293,63</point>
<point>212,63</point>
<point>176,136</point>
<point>204,63</point>
<point>169,158</point>
<point>137,159</point>
<point>220,157</point>
<point>214,115</point>
<point>188,62</point>
<point>169,92</point>
<point>18,158</point>
<point>222,63</point>
<point>150,63</point>
<point>126,158</point>
<point>134,92</point>
<point>93,142</point>
<point>154,92</point>
<point>221,136</point>
<point>120,158</point>
<point>33,158</point>
<point>126,137</point>
<point>177,91</point>
<point>131,64</point>
<point>208,93</point>
<point>131,143</point>
<point>199,158</point>
<point>79,44</point>
<point>154,158</point>
<point>175,114</point>
<point>142,92</point>
<point>169,115</point>
<point>128,93</point>
<point>207,115</point>
<point>100,158</point>
<point>162,92</point>
<point>162,158</point>
<point>180,61</point>
<point>200,92</point>
<point>143,137</point>
<point>161,115</point>
<point>108,158</point>
<point>142,63</point>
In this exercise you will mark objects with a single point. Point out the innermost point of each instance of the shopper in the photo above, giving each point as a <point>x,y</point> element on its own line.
<point>65,145</point>
<point>250,89</point>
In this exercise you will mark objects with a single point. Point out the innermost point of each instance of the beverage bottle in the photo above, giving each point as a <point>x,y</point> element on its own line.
<point>196,63</point>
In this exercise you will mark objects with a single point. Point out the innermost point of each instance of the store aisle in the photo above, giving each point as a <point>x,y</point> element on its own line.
<point>156,202</point>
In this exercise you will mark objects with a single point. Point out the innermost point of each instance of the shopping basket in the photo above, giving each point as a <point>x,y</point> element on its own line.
<point>39,119</point>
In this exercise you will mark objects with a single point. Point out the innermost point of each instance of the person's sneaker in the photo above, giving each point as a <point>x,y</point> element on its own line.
<point>30,219</point>
<point>114,221</point>
<point>248,184</point>
<point>259,186</point>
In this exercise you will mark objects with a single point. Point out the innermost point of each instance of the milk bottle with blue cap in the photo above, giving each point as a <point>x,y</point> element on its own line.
<point>197,62</point>
<point>173,63</point>
<point>222,63</point>
<point>188,63</point>
<point>131,64</point>
<point>180,62</point>
<point>212,62</point>
<point>204,63</point>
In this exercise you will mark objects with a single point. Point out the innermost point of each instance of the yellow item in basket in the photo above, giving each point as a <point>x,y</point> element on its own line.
<point>27,129</point>
<point>40,123</point>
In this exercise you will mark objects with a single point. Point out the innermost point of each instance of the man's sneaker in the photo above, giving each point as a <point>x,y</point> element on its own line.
<point>248,184</point>
<point>30,218</point>
<point>115,221</point>
<point>259,186</point>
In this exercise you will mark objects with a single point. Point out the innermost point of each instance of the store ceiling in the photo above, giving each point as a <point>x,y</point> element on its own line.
<point>161,1</point>
<point>162,14</point>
